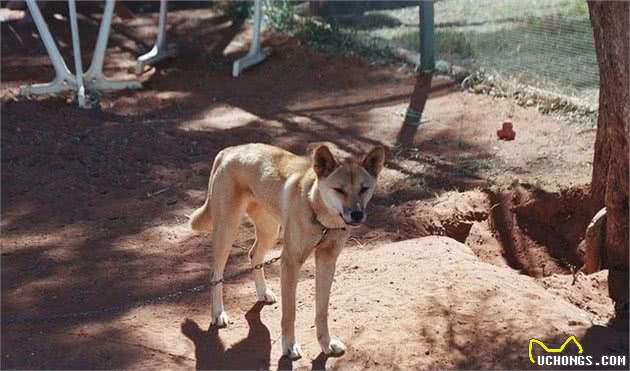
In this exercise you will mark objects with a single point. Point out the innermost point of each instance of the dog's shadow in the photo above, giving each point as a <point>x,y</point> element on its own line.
<point>251,353</point>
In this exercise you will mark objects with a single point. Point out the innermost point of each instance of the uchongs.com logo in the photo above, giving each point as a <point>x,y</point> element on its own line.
<point>560,357</point>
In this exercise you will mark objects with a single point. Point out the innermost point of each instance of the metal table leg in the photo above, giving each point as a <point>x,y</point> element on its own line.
<point>76,49</point>
<point>256,54</point>
<point>64,80</point>
<point>94,78</point>
<point>160,49</point>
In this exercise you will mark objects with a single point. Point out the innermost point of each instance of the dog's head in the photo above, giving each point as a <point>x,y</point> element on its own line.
<point>347,185</point>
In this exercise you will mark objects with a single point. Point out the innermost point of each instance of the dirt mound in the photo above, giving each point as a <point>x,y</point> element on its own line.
<point>438,304</point>
<point>534,232</point>
<point>427,303</point>
<point>587,292</point>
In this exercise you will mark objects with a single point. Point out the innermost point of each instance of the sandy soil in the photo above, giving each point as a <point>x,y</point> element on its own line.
<point>94,207</point>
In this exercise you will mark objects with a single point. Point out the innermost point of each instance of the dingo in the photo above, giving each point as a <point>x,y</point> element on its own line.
<point>315,201</point>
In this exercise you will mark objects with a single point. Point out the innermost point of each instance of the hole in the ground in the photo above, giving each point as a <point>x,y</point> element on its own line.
<point>539,232</point>
<point>530,230</point>
<point>458,229</point>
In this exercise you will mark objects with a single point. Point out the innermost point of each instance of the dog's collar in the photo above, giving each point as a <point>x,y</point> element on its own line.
<point>324,226</point>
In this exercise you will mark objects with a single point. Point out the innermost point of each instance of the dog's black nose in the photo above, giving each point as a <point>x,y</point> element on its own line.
<point>357,216</point>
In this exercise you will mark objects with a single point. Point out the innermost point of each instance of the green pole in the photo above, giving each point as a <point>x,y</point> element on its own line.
<point>424,74</point>
<point>427,37</point>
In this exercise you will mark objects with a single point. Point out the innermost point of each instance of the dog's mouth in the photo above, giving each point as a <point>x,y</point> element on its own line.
<point>352,223</point>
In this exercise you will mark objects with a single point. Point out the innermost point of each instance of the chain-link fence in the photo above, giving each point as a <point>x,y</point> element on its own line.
<point>546,44</point>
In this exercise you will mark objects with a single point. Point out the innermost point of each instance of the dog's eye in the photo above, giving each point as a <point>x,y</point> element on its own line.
<point>363,190</point>
<point>340,191</point>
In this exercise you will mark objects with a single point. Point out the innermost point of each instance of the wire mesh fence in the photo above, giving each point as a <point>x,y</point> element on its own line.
<point>546,44</point>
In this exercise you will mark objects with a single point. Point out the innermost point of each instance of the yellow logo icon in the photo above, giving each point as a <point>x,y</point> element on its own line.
<point>553,350</point>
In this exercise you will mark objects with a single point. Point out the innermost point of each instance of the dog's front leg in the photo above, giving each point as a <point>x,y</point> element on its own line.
<point>288,279</point>
<point>325,261</point>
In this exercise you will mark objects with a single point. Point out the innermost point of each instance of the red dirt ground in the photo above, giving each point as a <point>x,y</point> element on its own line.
<point>83,230</point>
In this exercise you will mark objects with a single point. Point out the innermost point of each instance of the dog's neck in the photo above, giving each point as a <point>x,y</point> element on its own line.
<point>324,215</point>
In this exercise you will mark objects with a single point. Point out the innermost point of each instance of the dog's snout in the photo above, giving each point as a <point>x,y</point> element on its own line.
<point>357,216</point>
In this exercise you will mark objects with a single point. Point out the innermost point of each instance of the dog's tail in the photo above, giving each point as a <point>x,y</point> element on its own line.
<point>201,219</point>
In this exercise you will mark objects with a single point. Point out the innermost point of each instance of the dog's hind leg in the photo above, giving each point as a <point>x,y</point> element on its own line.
<point>227,211</point>
<point>266,237</point>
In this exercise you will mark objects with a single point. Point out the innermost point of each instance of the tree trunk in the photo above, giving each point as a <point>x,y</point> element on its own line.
<point>609,187</point>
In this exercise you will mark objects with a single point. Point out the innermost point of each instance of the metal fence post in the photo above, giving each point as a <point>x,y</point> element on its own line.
<point>427,37</point>
<point>424,75</point>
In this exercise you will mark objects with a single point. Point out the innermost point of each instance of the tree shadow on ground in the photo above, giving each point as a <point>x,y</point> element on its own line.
<point>451,336</point>
<point>607,341</point>
<point>505,347</point>
<point>367,21</point>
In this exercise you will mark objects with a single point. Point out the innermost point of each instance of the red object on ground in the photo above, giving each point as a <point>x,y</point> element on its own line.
<point>506,132</point>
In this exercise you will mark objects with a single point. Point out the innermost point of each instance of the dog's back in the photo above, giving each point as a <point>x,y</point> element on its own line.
<point>253,170</point>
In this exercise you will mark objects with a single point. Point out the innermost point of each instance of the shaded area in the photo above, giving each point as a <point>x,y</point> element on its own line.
<point>606,341</point>
<point>367,21</point>
<point>335,8</point>
<point>505,347</point>
<point>251,353</point>
<point>467,334</point>
<point>413,116</point>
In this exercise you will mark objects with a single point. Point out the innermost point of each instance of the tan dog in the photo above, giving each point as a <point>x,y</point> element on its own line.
<point>315,201</point>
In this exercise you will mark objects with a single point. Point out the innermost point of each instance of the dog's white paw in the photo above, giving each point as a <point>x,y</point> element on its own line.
<point>220,320</point>
<point>291,349</point>
<point>334,347</point>
<point>268,297</point>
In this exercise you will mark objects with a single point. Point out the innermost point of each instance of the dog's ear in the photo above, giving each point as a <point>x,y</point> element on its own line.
<point>324,162</point>
<point>374,160</point>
